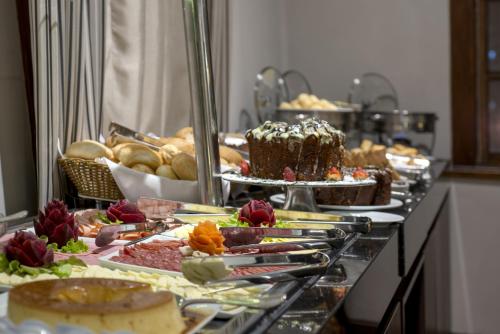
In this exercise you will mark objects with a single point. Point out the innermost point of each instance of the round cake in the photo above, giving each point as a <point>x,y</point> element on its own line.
<point>309,149</point>
<point>97,304</point>
<point>375,194</point>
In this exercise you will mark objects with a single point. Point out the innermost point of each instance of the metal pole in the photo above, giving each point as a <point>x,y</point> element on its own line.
<point>203,101</point>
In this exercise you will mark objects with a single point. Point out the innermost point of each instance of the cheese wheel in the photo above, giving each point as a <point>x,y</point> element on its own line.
<point>88,149</point>
<point>133,154</point>
<point>184,166</point>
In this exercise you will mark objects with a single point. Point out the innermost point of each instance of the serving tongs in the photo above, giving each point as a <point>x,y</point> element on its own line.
<point>203,270</point>
<point>243,238</point>
<point>108,233</point>
<point>159,208</point>
<point>121,131</point>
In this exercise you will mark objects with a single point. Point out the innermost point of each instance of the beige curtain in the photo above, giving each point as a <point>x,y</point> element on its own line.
<point>67,40</point>
<point>146,83</point>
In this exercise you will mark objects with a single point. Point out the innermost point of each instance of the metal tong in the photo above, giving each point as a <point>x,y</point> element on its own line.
<point>155,207</point>
<point>207,269</point>
<point>243,238</point>
<point>107,234</point>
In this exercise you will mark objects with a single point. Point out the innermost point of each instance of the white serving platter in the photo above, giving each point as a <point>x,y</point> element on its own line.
<point>395,203</point>
<point>106,261</point>
<point>375,216</point>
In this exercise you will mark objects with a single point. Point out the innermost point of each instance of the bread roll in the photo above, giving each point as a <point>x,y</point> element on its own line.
<point>88,149</point>
<point>184,166</point>
<point>114,140</point>
<point>376,156</point>
<point>180,143</point>
<point>357,158</point>
<point>230,155</point>
<point>186,134</point>
<point>167,152</point>
<point>143,168</point>
<point>133,154</point>
<point>117,148</point>
<point>166,171</point>
<point>366,145</point>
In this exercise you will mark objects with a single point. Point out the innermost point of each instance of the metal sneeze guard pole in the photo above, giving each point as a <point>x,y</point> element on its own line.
<point>203,101</point>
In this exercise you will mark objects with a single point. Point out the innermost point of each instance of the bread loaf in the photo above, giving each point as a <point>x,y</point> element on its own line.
<point>180,143</point>
<point>88,149</point>
<point>143,168</point>
<point>230,155</point>
<point>167,152</point>
<point>186,134</point>
<point>166,171</point>
<point>184,166</point>
<point>133,154</point>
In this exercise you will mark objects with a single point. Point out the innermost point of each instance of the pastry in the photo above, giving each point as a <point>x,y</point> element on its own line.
<point>184,166</point>
<point>132,154</point>
<point>309,149</point>
<point>88,149</point>
<point>166,171</point>
<point>143,168</point>
<point>101,305</point>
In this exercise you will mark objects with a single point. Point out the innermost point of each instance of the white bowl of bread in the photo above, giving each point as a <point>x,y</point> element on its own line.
<point>132,163</point>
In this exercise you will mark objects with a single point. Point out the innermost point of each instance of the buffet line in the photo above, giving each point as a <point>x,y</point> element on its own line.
<point>153,261</point>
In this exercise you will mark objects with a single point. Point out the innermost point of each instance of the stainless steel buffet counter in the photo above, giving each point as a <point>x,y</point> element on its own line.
<point>363,283</point>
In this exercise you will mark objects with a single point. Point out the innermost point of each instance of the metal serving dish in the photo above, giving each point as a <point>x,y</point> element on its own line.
<point>345,119</point>
<point>411,167</point>
<point>399,120</point>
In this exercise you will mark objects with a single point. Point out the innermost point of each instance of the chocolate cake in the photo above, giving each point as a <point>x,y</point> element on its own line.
<point>376,194</point>
<point>309,148</point>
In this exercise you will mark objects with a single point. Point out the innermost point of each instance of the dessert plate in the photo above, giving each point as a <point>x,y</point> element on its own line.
<point>375,216</point>
<point>348,181</point>
<point>395,203</point>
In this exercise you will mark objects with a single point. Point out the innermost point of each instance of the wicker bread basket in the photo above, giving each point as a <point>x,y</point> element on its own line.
<point>91,179</point>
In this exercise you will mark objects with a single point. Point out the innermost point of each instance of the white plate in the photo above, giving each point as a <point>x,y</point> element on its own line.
<point>395,203</point>
<point>375,216</point>
<point>204,312</point>
<point>400,185</point>
<point>106,262</point>
<point>348,181</point>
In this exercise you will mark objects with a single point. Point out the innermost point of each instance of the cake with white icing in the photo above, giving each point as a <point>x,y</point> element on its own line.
<point>308,150</point>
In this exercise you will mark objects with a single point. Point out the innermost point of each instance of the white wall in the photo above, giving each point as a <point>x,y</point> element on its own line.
<point>474,256</point>
<point>257,38</point>
<point>18,173</point>
<point>332,42</point>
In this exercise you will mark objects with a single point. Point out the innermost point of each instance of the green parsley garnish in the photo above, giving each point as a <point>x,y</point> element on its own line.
<point>61,268</point>
<point>102,217</point>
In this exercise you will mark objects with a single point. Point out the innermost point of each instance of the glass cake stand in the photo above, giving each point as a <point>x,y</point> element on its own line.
<point>299,194</point>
